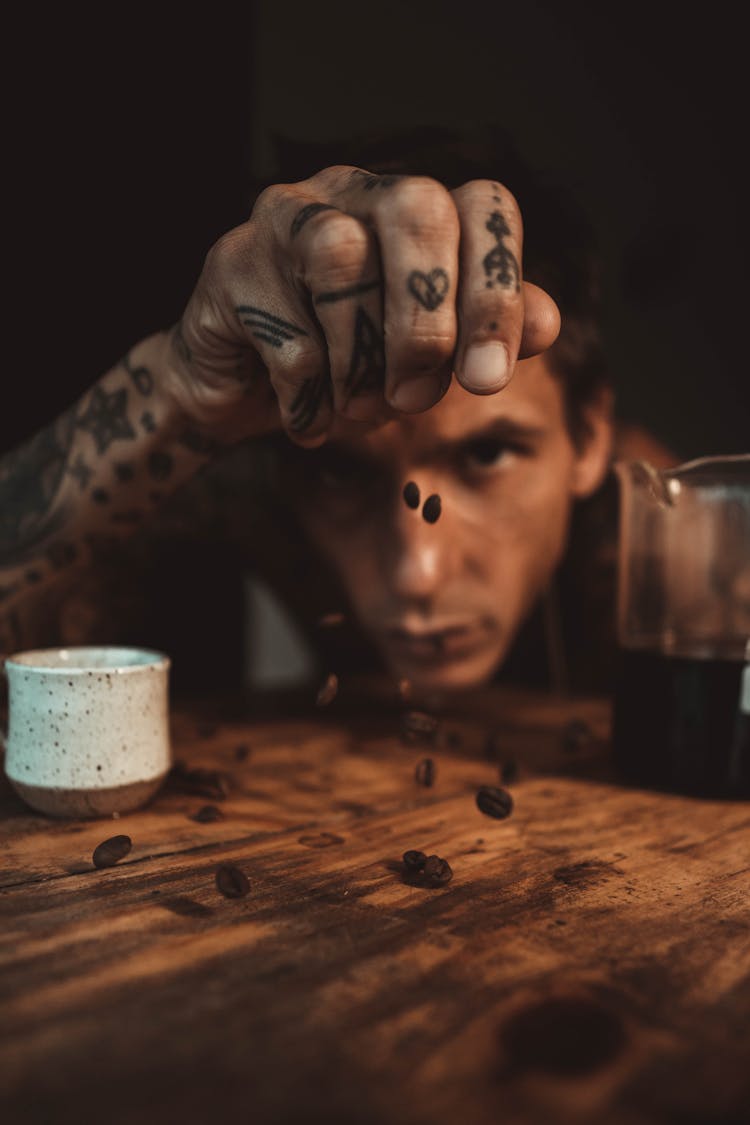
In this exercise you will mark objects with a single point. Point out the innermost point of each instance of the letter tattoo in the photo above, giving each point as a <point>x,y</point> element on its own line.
<point>367,366</point>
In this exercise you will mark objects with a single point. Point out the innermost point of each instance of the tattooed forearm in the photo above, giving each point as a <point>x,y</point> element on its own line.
<point>271,329</point>
<point>106,419</point>
<point>349,291</point>
<point>141,376</point>
<point>501,265</point>
<point>367,366</point>
<point>429,288</point>
<point>306,403</point>
<point>30,480</point>
<point>307,213</point>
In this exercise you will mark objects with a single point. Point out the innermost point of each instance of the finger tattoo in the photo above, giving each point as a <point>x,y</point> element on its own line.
<point>429,288</point>
<point>367,366</point>
<point>271,329</point>
<point>306,213</point>
<point>500,264</point>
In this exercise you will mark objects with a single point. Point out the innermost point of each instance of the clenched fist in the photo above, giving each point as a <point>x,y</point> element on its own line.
<point>358,296</point>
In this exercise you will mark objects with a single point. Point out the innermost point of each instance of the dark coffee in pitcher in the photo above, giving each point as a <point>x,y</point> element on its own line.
<point>682,720</point>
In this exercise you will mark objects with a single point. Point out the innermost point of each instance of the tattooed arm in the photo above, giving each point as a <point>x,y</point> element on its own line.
<point>92,476</point>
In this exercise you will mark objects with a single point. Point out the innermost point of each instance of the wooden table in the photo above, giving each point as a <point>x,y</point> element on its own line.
<point>589,961</point>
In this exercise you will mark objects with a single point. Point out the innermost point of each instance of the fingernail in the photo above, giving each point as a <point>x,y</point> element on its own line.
<point>414,395</point>
<point>486,367</point>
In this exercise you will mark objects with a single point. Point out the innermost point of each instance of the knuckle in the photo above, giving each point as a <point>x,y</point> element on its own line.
<point>419,204</point>
<point>230,252</point>
<point>270,199</point>
<point>337,244</point>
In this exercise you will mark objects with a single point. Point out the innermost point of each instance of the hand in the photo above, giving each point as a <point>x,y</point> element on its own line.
<point>356,295</point>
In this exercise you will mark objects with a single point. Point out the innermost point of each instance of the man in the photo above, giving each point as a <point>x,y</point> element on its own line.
<point>381,324</point>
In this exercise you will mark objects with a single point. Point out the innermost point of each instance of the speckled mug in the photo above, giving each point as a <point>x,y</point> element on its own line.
<point>88,728</point>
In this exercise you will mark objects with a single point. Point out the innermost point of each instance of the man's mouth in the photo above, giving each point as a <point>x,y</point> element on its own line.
<point>433,645</point>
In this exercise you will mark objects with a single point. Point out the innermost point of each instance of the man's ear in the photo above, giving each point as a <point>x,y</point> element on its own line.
<point>594,455</point>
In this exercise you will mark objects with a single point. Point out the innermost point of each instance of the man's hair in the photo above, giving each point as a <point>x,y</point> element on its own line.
<point>559,252</point>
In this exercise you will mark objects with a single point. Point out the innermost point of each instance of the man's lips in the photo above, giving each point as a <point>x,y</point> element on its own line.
<point>433,644</point>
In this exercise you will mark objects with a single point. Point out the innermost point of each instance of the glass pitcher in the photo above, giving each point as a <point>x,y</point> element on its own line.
<point>682,696</point>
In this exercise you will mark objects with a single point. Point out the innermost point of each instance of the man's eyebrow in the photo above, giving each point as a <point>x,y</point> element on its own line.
<point>500,429</point>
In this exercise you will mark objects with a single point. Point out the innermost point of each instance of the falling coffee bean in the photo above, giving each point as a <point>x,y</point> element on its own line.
<point>494,802</point>
<point>111,851</point>
<point>207,815</point>
<point>232,882</point>
<point>414,861</point>
<point>418,726</point>
<point>577,735</point>
<point>437,872</point>
<point>328,691</point>
<point>432,508</point>
<point>411,494</point>
<point>198,782</point>
<point>509,771</point>
<point>425,772</point>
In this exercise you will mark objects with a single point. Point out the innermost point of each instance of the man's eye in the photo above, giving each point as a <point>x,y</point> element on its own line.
<point>488,453</point>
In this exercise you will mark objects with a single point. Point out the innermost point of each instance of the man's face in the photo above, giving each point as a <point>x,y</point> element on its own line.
<point>443,601</point>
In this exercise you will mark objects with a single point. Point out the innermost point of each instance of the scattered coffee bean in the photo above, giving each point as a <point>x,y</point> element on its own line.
<point>207,815</point>
<point>453,740</point>
<point>111,851</point>
<point>437,872</point>
<point>198,782</point>
<point>577,735</point>
<point>494,802</point>
<point>331,620</point>
<point>414,861</point>
<point>418,726</point>
<point>425,772</point>
<point>431,508</point>
<point>232,882</point>
<point>411,494</point>
<point>242,752</point>
<point>328,691</point>
<point>509,771</point>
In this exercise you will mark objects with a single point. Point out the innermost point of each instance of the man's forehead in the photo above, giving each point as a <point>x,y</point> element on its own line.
<point>531,401</point>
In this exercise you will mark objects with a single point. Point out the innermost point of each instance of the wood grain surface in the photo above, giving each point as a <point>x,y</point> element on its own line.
<point>589,961</point>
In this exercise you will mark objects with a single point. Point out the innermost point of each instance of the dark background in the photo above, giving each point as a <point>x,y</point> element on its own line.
<point>131,144</point>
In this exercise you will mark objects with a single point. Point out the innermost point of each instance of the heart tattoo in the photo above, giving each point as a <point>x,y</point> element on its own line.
<point>429,288</point>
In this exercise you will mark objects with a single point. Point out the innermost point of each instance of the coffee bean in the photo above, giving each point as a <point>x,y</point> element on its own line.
<point>198,782</point>
<point>437,872</point>
<point>576,735</point>
<point>425,772</point>
<point>411,495</point>
<point>493,746</point>
<point>414,861</point>
<point>111,851</point>
<point>207,815</point>
<point>431,508</point>
<point>509,771</point>
<point>232,882</point>
<point>328,691</point>
<point>494,802</point>
<point>418,726</point>
<point>242,751</point>
<point>453,740</point>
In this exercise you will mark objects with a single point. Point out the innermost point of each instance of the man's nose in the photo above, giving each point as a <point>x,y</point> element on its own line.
<point>419,556</point>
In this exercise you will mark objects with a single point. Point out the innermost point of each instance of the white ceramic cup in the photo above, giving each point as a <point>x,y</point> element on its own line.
<point>88,728</point>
